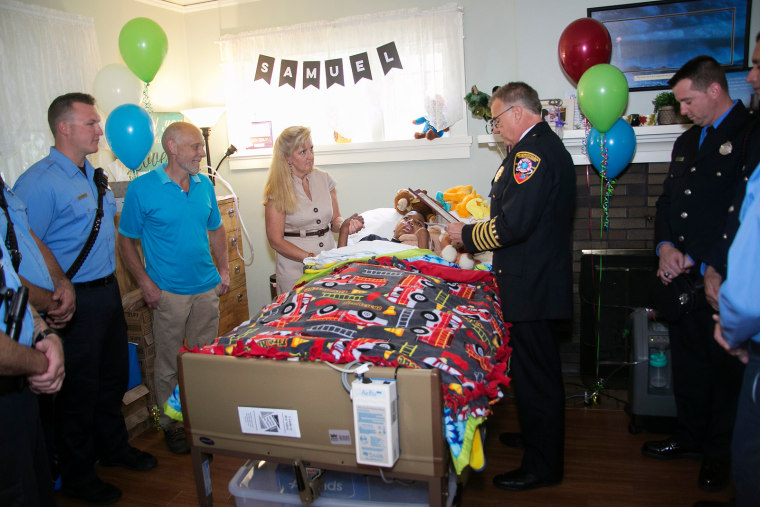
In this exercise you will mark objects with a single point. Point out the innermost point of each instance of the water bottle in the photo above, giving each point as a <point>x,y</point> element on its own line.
<point>658,369</point>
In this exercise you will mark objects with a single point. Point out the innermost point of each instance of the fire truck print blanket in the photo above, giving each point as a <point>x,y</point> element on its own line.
<point>393,312</point>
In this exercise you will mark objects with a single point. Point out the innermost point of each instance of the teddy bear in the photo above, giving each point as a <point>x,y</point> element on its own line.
<point>435,116</point>
<point>428,131</point>
<point>405,201</point>
<point>448,252</point>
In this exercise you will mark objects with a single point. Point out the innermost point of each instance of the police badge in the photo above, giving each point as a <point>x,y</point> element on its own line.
<point>726,148</point>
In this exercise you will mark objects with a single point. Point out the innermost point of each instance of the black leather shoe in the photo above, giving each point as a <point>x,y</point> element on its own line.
<point>520,480</point>
<point>713,475</point>
<point>512,439</point>
<point>132,459</point>
<point>668,449</point>
<point>95,492</point>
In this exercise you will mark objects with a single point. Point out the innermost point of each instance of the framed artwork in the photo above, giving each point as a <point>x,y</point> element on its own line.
<point>562,109</point>
<point>652,40</point>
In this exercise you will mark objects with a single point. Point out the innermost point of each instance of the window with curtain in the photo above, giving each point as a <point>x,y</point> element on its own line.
<point>417,72</point>
<point>43,53</point>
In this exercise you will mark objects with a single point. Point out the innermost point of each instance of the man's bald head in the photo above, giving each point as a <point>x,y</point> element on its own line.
<point>175,130</point>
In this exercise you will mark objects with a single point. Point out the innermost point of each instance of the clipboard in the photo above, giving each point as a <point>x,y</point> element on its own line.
<point>434,205</point>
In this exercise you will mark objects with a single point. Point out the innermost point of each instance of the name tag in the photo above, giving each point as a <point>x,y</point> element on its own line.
<point>82,196</point>
<point>680,159</point>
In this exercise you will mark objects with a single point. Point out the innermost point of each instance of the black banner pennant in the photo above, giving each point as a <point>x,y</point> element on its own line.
<point>311,74</point>
<point>389,58</point>
<point>288,69</point>
<point>334,72</point>
<point>360,66</point>
<point>264,69</point>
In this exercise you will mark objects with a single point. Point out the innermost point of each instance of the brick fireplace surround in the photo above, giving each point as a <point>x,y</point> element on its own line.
<point>632,206</point>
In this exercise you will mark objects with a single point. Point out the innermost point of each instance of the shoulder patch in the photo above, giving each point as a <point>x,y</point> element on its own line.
<point>525,165</point>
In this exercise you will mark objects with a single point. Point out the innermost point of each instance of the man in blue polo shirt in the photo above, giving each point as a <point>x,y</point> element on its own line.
<point>62,200</point>
<point>172,211</point>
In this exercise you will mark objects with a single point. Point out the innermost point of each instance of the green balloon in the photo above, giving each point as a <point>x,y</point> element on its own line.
<point>602,95</point>
<point>143,46</point>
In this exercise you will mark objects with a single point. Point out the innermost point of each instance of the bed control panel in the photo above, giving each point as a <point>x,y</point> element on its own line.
<point>375,403</point>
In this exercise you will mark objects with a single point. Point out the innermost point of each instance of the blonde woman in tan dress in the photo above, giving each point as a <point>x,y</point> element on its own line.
<point>301,206</point>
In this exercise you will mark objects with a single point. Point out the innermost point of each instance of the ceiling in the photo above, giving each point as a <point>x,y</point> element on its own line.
<point>192,5</point>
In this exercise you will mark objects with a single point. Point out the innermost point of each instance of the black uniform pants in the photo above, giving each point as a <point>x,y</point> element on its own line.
<point>706,384</point>
<point>536,373</point>
<point>24,469</point>
<point>89,422</point>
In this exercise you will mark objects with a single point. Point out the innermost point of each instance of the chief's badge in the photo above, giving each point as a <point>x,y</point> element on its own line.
<point>726,148</point>
<point>498,174</point>
<point>526,165</point>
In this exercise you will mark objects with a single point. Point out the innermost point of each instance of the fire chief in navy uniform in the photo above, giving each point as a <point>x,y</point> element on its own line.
<point>532,202</point>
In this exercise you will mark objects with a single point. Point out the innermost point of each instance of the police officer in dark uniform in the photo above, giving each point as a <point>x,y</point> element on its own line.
<point>532,201</point>
<point>691,214</point>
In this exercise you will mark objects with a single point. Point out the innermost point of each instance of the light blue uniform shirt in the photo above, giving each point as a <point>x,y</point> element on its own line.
<point>61,204</point>
<point>12,282</point>
<point>32,266</point>
<point>173,228</point>
<point>740,293</point>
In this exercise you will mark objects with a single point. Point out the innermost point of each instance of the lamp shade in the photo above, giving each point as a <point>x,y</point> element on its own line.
<point>204,117</point>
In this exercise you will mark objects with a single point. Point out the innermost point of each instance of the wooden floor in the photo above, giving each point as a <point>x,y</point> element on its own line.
<point>603,467</point>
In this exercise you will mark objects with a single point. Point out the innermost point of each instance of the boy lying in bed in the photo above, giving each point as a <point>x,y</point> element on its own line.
<point>411,230</point>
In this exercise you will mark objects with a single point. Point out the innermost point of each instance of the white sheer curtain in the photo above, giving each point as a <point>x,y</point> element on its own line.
<point>430,48</point>
<point>43,53</point>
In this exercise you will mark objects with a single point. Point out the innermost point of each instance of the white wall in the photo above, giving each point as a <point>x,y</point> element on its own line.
<point>505,40</point>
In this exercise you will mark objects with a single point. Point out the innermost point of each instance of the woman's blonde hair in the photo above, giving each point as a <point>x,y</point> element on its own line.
<point>279,186</point>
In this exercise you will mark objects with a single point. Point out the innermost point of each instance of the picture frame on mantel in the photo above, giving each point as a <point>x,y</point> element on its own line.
<point>566,110</point>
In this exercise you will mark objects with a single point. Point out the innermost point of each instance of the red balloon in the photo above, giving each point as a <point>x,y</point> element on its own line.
<point>584,43</point>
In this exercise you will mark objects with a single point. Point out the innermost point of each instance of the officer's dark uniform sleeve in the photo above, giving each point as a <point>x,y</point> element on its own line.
<point>518,206</point>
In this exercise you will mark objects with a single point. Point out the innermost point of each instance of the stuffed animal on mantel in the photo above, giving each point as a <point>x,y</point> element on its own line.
<point>405,201</point>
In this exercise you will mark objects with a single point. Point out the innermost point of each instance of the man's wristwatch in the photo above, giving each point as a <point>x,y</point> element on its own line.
<point>45,332</point>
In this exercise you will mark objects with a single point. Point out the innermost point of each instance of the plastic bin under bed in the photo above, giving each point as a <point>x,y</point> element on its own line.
<point>270,484</point>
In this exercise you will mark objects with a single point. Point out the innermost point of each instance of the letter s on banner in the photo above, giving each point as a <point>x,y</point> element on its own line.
<point>264,68</point>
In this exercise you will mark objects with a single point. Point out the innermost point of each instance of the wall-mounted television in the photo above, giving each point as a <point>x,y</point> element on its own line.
<point>739,88</point>
<point>652,40</point>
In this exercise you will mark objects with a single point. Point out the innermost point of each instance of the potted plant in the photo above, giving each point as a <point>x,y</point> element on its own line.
<point>667,109</point>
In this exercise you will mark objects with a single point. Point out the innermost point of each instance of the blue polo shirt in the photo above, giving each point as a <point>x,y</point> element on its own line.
<point>173,228</point>
<point>61,204</point>
<point>12,282</point>
<point>32,266</point>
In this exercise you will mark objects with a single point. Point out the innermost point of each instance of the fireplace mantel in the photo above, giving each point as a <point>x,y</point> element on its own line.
<point>653,144</point>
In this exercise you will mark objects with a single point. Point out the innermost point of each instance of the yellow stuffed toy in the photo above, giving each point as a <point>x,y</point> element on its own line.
<point>466,202</point>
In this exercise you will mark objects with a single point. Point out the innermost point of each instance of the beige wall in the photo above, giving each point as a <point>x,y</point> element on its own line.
<point>504,40</point>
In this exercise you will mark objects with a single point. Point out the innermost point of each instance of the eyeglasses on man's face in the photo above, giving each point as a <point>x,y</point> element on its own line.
<point>495,122</point>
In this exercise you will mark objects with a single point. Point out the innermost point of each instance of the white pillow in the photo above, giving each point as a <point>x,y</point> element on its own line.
<point>380,221</point>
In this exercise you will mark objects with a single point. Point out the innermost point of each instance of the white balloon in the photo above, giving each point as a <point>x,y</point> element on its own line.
<point>115,85</point>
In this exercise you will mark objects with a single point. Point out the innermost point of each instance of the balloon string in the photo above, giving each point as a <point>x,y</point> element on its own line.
<point>146,98</point>
<point>598,314</point>
<point>606,188</point>
<point>590,219</point>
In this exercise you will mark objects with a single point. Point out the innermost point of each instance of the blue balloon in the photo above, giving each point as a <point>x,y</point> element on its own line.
<point>130,133</point>
<point>620,142</point>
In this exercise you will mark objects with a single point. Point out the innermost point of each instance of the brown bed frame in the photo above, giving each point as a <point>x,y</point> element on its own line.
<point>213,387</point>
